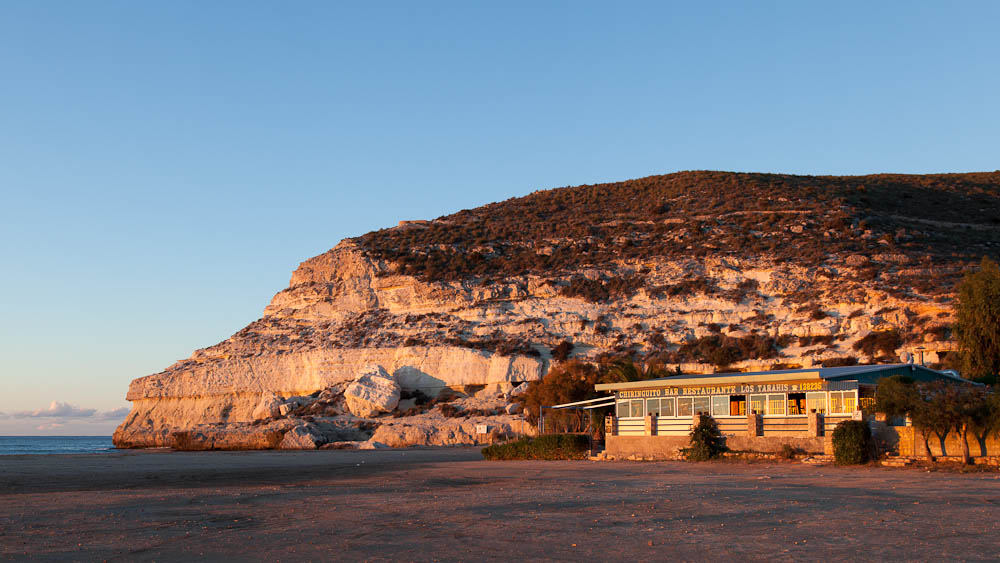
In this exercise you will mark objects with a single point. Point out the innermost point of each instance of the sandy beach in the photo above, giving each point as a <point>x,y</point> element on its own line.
<point>449,505</point>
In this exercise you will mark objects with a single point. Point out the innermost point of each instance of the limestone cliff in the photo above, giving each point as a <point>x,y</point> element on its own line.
<point>786,270</point>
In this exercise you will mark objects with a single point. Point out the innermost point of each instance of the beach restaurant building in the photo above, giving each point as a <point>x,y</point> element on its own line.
<point>756,411</point>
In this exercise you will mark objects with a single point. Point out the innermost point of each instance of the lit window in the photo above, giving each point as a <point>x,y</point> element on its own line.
<point>775,404</point>
<point>757,404</point>
<point>816,401</point>
<point>836,402</point>
<point>667,407</point>
<point>850,402</point>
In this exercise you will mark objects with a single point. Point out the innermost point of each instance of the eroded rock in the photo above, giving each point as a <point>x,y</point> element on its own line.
<point>373,392</point>
<point>302,437</point>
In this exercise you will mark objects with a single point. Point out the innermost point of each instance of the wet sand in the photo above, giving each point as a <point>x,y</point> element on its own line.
<point>449,505</point>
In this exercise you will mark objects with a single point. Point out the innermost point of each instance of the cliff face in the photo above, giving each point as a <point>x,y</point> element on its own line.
<point>793,276</point>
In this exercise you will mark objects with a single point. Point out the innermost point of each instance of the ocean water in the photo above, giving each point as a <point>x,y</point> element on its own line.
<point>18,445</point>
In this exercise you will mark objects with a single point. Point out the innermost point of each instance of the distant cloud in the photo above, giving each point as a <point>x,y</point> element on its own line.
<point>113,414</point>
<point>50,426</point>
<point>66,410</point>
<point>57,409</point>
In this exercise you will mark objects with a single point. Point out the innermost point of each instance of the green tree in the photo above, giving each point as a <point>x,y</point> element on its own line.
<point>567,382</point>
<point>896,396</point>
<point>625,370</point>
<point>707,441</point>
<point>977,323</point>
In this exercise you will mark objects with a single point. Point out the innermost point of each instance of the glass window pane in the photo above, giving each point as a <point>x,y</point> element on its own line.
<point>653,406</point>
<point>702,405</point>
<point>836,402</point>
<point>667,407</point>
<point>757,404</point>
<point>816,401</point>
<point>850,402</point>
<point>720,405</point>
<point>684,406</point>
<point>637,410</point>
<point>624,409</point>
<point>775,404</point>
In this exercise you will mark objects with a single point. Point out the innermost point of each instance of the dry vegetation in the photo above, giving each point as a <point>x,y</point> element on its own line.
<point>929,219</point>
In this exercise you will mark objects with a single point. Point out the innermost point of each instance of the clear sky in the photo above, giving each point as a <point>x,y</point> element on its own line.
<point>165,166</point>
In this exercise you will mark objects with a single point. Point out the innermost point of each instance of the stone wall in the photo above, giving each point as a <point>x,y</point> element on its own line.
<point>668,447</point>
<point>911,443</point>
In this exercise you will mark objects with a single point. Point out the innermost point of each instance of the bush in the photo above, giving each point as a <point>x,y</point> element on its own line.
<point>852,443</point>
<point>561,352</point>
<point>875,342</point>
<point>706,441</point>
<point>549,447</point>
<point>840,362</point>
<point>566,382</point>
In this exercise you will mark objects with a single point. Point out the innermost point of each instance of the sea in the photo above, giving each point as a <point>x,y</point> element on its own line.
<point>20,445</point>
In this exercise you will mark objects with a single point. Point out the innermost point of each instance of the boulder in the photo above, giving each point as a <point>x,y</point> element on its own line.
<point>269,407</point>
<point>371,445</point>
<point>302,437</point>
<point>514,408</point>
<point>373,392</point>
<point>286,408</point>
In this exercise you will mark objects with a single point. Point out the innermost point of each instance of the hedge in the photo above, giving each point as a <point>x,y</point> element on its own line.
<point>550,446</point>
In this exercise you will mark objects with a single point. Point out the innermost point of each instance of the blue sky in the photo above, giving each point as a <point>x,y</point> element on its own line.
<point>165,166</point>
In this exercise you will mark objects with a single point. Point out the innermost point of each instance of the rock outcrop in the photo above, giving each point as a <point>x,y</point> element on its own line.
<point>696,270</point>
<point>372,393</point>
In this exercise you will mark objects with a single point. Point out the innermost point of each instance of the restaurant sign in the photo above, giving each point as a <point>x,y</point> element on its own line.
<point>739,389</point>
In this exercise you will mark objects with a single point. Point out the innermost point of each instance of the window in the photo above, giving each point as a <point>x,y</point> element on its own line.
<point>757,404</point>
<point>667,407</point>
<point>836,402</point>
<point>816,401</point>
<point>796,403</point>
<point>720,405</point>
<point>737,405</point>
<point>637,410</point>
<point>653,406</point>
<point>850,401</point>
<point>776,404</point>
<point>702,405</point>
<point>684,406</point>
<point>624,409</point>
<point>842,402</point>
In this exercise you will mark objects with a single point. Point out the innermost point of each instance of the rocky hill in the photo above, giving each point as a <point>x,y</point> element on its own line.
<point>701,270</point>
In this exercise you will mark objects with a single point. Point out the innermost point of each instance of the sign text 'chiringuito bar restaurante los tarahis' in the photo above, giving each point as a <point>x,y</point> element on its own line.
<point>756,411</point>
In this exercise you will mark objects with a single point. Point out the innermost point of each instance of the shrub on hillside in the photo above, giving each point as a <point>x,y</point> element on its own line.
<point>852,443</point>
<point>874,342</point>
<point>549,447</point>
<point>561,352</point>
<point>840,362</point>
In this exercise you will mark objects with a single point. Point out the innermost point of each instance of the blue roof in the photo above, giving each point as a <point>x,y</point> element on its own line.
<point>866,372</point>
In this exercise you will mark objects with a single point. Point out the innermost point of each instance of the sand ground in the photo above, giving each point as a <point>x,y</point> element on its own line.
<point>449,505</point>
